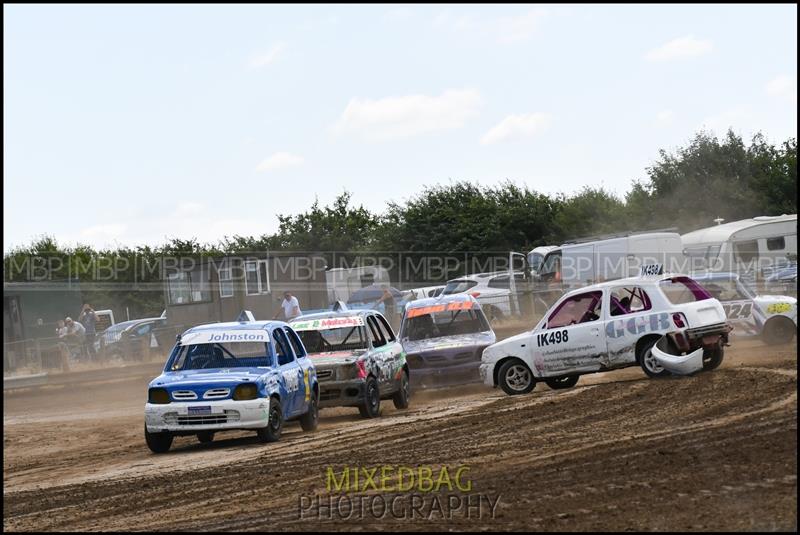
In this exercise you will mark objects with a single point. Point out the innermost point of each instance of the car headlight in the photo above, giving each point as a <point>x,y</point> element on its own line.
<point>158,395</point>
<point>245,391</point>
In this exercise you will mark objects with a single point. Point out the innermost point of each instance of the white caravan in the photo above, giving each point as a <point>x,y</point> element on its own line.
<point>758,245</point>
<point>594,260</point>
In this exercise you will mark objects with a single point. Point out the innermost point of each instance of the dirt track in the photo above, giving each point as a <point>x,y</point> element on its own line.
<point>717,451</point>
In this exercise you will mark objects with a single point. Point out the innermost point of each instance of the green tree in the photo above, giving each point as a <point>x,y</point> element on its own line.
<point>591,212</point>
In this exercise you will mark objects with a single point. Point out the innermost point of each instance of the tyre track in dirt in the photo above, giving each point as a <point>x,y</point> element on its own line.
<point>592,457</point>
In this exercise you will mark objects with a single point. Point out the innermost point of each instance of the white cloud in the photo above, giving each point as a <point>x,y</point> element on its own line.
<point>507,29</point>
<point>520,27</point>
<point>268,57</point>
<point>404,116</point>
<point>279,160</point>
<point>188,208</point>
<point>665,117</point>
<point>517,126</point>
<point>103,233</point>
<point>784,86</point>
<point>680,48</point>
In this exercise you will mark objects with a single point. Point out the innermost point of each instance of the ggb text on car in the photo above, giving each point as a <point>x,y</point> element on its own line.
<point>663,323</point>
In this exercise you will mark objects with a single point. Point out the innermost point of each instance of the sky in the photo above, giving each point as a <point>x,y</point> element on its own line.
<point>126,125</point>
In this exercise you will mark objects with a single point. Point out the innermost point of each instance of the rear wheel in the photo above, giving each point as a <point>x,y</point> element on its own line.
<point>712,357</point>
<point>557,383</point>
<point>778,331</point>
<point>205,437</point>
<point>272,433</point>
<point>158,442</point>
<point>401,397</point>
<point>371,408</point>
<point>515,378</point>
<point>648,361</point>
<point>310,419</point>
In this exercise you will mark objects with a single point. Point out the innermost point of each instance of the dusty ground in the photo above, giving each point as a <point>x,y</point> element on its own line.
<point>717,451</point>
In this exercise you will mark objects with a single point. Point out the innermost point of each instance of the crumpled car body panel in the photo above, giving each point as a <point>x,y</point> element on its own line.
<point>677,364</point>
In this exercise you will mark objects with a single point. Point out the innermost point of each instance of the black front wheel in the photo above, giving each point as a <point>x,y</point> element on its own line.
<point>158,442</point>
<point>401,397</point>
<point>712,357</point>
<point>272,433</point>
<point>557,383</point>
<point>371,408</point>
<point>779,330</point>
<point>206,437</point>
<point>310,419</point>
<point>515,378</point>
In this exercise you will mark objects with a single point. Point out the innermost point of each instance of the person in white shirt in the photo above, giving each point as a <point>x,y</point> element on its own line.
<point>290,307</point>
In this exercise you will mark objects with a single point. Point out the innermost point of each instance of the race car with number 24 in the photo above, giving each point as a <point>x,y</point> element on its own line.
<point>773,318</point>
<point>663,323</point>
<point>248,374</point>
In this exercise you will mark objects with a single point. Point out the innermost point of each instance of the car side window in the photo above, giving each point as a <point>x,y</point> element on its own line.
<point>386,329</point>
<point>144,329</point>
<point>297,345</point>
<point>377,337</point>
<point>581,308</point>
<point>501,282</point>
<point>629,300</point>
<point>282,350</point>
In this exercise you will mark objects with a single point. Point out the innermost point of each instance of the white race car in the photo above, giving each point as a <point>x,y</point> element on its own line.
<point>663,323</point>
<point>772,317</point>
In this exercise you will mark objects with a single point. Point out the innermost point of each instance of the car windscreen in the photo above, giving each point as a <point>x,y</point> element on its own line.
<point>330,340</point>
<point>444,323</point>
<point>219,355</point>
<point>535,261</point>
<point>456,287</point>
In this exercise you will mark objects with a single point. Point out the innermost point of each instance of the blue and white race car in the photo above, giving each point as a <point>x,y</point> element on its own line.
<point>240,375</point>
<point>771,317</point>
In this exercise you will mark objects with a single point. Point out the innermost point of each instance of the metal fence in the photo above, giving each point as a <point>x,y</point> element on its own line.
<point>28,357</point>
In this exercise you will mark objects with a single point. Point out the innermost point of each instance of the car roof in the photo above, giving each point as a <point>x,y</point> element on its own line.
<point>348,313</point>
<point>485,275</point>
<point>130,323</point>
<point>714,276</point>
<point>429,301</point>
<point>639,280</point>
<point>237,326</point>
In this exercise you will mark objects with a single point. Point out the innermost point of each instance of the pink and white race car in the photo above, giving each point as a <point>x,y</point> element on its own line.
<point>663,323</point>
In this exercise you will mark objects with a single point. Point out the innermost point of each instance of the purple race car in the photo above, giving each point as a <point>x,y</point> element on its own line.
<point>443,338</point>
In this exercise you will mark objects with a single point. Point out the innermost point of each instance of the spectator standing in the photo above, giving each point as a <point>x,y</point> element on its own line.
<point>388,306</point>
<point>290,307</point>
<point>75,332</point>
<point>63,350</point>
<point>89,320</point>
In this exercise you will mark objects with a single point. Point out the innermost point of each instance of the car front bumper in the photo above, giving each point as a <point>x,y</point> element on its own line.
<point>341,393</point>
<point>445,374</point>
<point>224,414</point>
<point>485,370</point>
